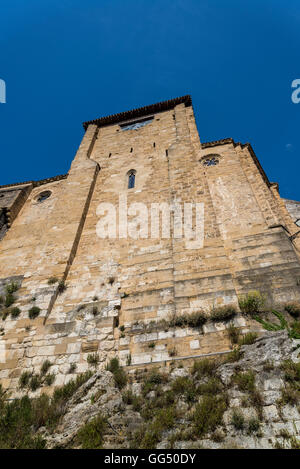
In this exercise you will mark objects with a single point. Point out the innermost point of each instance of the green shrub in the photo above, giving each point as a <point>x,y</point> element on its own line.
<point>49,379</point>
<point>16,425</point>
<point>45,367</point>
<point>233,356</point>
<point>34,312</point>
<point>151,345</point>
<point>137,403</point>
<point>291,371</point>
<point>166,417</point>
<point>237,420</point>
<point>128,359</point>
<point>205,367</point>
<point>257,401</point>
<point>41,408</point>
<point>120,376</point>
<point>93,359</point>
<point>233,334</point>
<point>61,287</point>
<point>148,436</point>
<point>217,436</point>
<point>21,418</point>
<point>52,280</point>
<point>196,319</point>
<point>245,381</point>
<point>9,300</point>
<point>213,387</point>
<point>128,397</point>
<point>24,379</point>
<point>289,395</point>
<point>251,303</point>
<point>295,443</point>
<point>284,433</point>
<point>180,384</point>
<point>72,368</point>
<point>223,313</point>
<point>294,332</point>
<point>91,435</point>
<point>35,382</point>
<point>151,381</point>
<point>11,288</point>
<point>15,312</point>
<point>4,314</point>
<point>209,414</point>
<point>185,387</point>
<point>63,393</point>
<point>293,309</point>
<point>248,338</point>
<point>253,426</point>
<point>113,365</point>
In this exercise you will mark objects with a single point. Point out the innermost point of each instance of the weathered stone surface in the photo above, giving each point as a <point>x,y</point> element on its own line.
<point>137,282</point>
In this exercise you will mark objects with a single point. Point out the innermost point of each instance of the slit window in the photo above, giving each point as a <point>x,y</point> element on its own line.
<point>131,180</point>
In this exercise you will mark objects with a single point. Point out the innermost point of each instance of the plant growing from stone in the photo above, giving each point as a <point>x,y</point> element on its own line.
<point>45,367</point>
<point>93,359</point>
<point>24,379</point>
<point>120,376</point>
<point>15,312</point>
<point>12,287</point>
<point>9,300</point>
<point>293,309</point>
<point>91,435</point>
<point>49,379</point>
<point>34,312</point>
<point>251,303</point>
<point>61,287</point>
<point>223,313</point>
<point>248,338</point>
<point>237,420</point>
<point>233,334</point>
<point>72,368</point>
<point>52,280</point>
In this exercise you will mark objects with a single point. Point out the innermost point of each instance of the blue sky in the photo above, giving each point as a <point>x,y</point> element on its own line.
<point>67,61</point>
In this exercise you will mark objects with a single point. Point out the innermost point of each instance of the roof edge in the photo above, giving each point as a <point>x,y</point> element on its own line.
<point>139,112</point>
<point>36,183</point>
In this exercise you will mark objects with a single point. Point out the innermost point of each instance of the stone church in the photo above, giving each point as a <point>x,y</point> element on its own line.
<point>89,294</point>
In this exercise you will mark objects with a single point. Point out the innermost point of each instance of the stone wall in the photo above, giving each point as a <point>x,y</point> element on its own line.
<point>129,282</point>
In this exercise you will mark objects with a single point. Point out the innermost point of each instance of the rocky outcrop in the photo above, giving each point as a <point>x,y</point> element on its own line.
<point>256,415</point>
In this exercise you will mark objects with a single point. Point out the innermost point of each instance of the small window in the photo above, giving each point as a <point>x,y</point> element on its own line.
<point>131,179</point>
<point>43,196</point>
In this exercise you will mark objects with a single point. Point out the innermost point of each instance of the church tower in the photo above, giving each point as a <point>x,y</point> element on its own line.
<point>115,295</point>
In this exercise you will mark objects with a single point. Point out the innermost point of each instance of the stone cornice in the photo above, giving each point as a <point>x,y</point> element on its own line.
<point>35,183</point>
<point>140,112</point>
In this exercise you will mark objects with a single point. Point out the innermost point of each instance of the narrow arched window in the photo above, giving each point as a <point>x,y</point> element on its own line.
<point>131,179</point>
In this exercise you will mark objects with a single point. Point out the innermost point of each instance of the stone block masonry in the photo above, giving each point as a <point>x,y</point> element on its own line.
<point>117,288</point>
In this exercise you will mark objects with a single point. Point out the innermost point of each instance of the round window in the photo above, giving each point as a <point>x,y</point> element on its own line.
<point>43,196</point>
<point>211,160</point>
